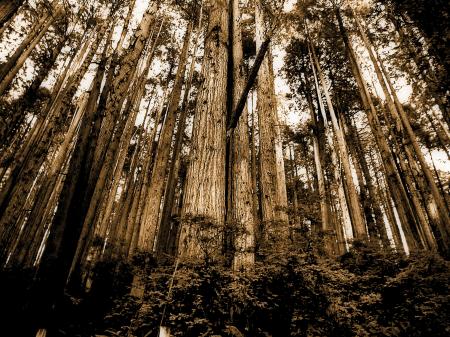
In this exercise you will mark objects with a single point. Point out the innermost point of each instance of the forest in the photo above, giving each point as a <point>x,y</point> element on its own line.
<point>224,168</point>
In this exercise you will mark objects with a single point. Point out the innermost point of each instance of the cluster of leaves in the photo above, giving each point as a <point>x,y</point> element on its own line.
<point>364,293</point>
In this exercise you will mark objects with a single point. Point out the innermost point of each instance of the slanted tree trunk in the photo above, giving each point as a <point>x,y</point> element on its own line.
<point>15,62</point>
<point>161,163</point>
<point>318,162</point>
<point>66,226</point>
<point>172,178</point>
<point>442,220</point>
<point>40,210</point>
<point>372,200</point>
<point>294,178</point>
<point>70,218</point>
<point>117,90</point>
<point>8,8</point>
<point>58,117</point>
<point>394,181</point>
<point>355,210</point>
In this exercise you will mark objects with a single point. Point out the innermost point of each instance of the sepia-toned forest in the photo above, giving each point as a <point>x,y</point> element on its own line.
<point>227,168</point>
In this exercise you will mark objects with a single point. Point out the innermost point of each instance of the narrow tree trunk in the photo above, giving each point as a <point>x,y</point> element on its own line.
<point>402,122</point>
<point>240,209</point>
<point>273,186</point>
<point>355,210</point>
<point>60,112</point>
<point>157,181</point>
<point>394,181</point>
<point>16,61</point>
<point>318,162</point>
<point>8,8</point>
<point>68,224</point>
<point>169,194</point>
<point>118,88</point>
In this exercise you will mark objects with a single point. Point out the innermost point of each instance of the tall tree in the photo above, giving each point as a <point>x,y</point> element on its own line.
<point>240,208</point>
<point>273,184</point>
<point>203,213</point>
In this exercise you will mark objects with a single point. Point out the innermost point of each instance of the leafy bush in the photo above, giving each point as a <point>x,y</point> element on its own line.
<point>365,293</point>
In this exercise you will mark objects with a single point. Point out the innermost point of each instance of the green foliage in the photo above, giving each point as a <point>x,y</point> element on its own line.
<point>365,293</point>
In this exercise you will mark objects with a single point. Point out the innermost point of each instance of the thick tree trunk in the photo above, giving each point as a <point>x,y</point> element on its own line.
<point>203,213</point>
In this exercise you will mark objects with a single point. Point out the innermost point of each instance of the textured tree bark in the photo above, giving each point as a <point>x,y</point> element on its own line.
<point>240,215</point>
<point>203,213</point>
<point>273,184</point>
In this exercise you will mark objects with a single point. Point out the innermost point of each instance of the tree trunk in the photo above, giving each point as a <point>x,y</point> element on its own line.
<point>402,122</point>
<point>318,162</point>
<point>355,210</point>
<point>118,88</point>
<point>203,213</point>
<point>273,186</point>
<point>172,178</point>
<point>157,181</point>
<point>58,117</point>
<point>240,215</point>
<point>16,61</point>
<point>394,181</point>
<point>8,9</point>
